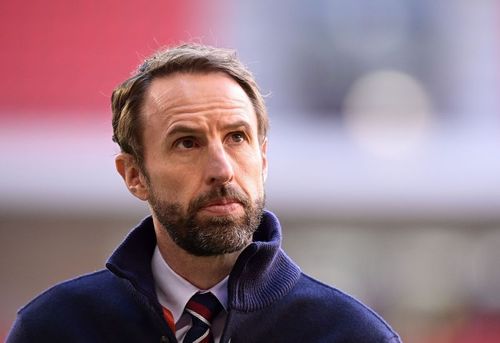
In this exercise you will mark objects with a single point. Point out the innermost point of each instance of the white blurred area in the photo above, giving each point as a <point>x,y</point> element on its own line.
<point>384,155</point>
<point>388,113</point>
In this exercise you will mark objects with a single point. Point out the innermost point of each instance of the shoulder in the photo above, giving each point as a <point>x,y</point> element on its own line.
<point>89,285</point>
<point>63,305</point>
<point>335,306</point>
<point>312,289</point>
<point>89,308</point>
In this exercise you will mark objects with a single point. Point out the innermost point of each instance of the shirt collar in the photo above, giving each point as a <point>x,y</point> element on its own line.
<point>173,291</point>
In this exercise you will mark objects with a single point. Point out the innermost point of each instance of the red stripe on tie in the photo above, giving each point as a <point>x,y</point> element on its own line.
<point>200,309</point>
<point>169,318</point>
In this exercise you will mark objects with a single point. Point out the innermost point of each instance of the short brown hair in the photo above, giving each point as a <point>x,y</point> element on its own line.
<point>127,99</point>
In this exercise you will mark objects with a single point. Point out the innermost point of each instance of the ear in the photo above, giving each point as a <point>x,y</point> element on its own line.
<point>263,153</point>
<point>127,167</point>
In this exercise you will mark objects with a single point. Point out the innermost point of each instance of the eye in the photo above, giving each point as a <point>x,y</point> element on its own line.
<point>185,143</point>
<point>237,137</point>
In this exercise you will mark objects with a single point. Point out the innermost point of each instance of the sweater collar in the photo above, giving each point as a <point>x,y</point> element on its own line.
<point>132,259</point>
<point>262,273</point>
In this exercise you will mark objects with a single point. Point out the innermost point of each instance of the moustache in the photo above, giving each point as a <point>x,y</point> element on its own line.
<point>222,192</point>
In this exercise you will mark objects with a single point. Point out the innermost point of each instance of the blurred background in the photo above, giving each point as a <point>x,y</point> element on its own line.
<point>384,144</point>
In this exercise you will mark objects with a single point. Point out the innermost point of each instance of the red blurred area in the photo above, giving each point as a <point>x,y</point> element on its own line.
<point>471,327</point>
<point>62,55</point>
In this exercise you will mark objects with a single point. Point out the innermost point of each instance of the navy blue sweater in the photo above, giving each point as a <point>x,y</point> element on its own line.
<point>270,300</point>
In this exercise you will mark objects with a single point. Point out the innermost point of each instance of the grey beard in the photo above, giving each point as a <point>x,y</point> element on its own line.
<point>214,235</point>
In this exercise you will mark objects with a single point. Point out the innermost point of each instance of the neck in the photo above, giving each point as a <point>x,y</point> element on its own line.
<point>203,272</point>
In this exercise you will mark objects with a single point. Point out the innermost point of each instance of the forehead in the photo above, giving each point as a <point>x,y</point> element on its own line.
<point>192,94</point>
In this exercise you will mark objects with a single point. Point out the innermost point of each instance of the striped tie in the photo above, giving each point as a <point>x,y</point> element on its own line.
<point>203,308</point>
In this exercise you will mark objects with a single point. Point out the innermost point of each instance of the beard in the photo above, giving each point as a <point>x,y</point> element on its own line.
<point>214,235</point>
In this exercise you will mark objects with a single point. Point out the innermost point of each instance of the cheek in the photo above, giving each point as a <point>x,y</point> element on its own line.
<point>250,170</point>
<point>171,184</point>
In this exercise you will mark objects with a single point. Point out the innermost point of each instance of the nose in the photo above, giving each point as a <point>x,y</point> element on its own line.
<point>219,168</point>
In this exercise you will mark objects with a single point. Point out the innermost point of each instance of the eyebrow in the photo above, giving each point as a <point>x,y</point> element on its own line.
<point>239,124</point>
<point>183,129</point>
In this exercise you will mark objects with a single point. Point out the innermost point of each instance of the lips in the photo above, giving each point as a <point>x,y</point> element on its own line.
<point>222,206</point>
<point>221,201</point>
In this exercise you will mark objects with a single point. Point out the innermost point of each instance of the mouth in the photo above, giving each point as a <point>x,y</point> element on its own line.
<point>222,206</point>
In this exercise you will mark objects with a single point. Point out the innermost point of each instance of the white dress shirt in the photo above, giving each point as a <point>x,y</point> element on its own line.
<point>173,292</point>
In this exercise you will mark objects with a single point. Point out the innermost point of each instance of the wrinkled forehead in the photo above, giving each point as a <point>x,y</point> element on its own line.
<point>189,92</point>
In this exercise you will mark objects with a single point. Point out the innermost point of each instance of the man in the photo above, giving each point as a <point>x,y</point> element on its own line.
<point>207,264</point>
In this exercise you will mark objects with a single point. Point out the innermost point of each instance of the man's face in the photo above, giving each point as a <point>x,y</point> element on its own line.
<point>204,165</point>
